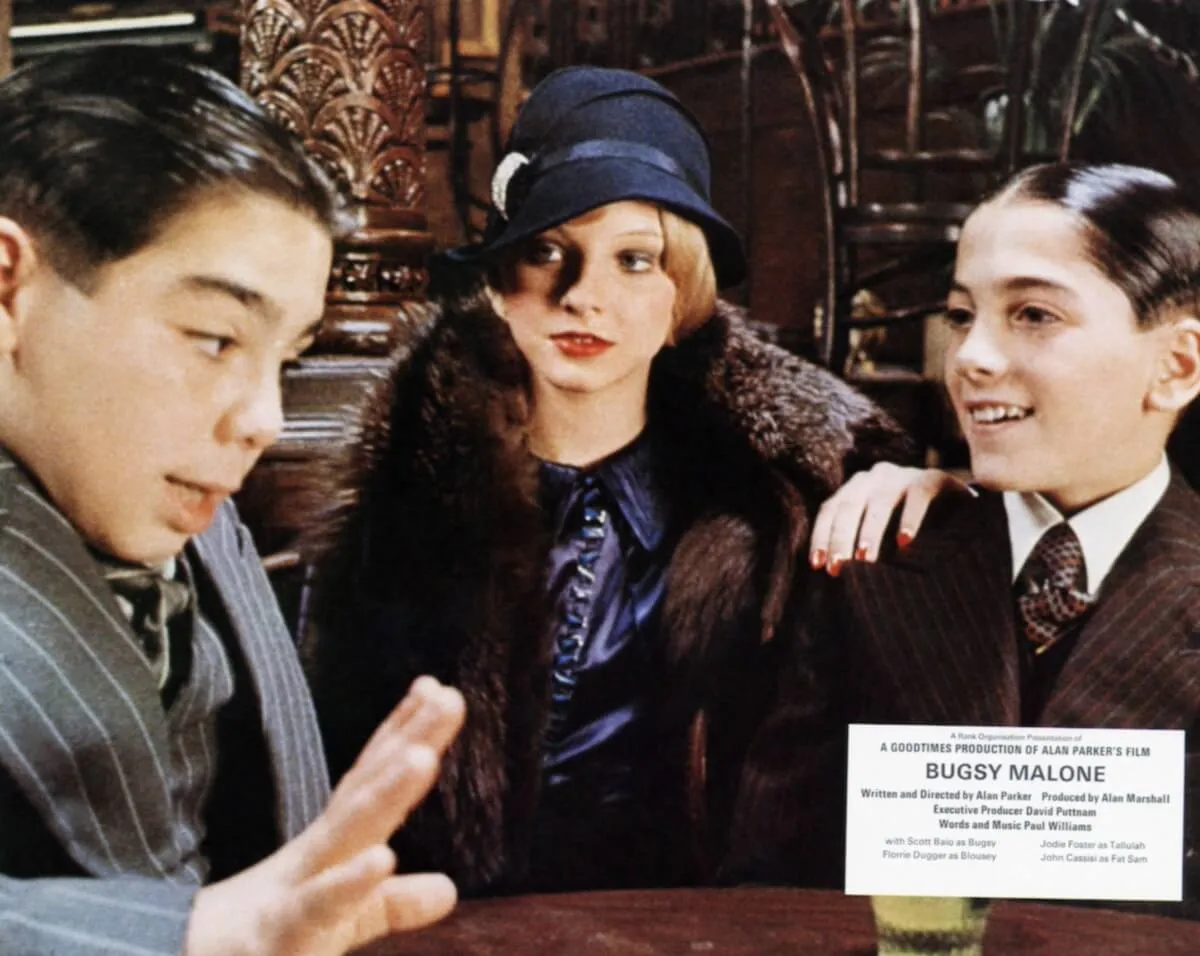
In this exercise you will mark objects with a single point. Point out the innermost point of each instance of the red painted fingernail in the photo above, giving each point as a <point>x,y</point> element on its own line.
<point>904,539</point>
<point>817,559</point>
<point>835,565</point>
<point>860,554</point>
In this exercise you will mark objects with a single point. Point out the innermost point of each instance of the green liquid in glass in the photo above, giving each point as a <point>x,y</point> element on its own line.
<point>927,925</point>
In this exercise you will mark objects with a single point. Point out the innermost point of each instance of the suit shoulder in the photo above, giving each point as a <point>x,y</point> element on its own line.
<point>1170,535</point>
<point>29,523</point>
<point>11,480</point>
<point>1179,512</point>
<point>954,521</point>
<point>955,514</point>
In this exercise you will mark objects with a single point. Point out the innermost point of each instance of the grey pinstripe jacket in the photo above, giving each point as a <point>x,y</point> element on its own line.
<point>83,737</point>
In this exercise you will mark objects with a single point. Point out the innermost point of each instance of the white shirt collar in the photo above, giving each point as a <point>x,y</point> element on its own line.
<point>1103,530</point>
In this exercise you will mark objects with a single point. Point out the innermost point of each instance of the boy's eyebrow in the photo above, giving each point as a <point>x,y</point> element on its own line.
<point>255,301</point>
<point>1023,283</point>
<point>1018,284</point>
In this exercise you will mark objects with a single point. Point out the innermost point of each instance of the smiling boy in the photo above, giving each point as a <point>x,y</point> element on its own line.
<point>164,249</point>
<point>1064,593</point>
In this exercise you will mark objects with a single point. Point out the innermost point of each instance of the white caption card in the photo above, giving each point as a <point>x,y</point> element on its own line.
<point>1015,812</point>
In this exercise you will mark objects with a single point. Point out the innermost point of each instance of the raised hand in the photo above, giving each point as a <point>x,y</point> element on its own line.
<point>333,888</point>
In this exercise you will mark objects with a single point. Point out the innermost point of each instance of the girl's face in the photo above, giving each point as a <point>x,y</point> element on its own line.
<point>1047,368</point>
<point>588,302</point>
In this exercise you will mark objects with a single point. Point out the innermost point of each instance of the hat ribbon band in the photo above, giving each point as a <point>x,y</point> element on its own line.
<point>593,149</point>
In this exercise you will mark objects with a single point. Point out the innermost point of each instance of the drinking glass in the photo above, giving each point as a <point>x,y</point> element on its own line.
<point>923,925</point>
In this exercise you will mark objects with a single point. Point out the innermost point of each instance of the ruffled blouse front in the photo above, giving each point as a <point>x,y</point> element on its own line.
<point>605,585</point>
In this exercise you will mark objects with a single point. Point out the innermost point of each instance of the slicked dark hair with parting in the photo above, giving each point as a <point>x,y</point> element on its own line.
<point>1140,228</point>
<point>99,150</point>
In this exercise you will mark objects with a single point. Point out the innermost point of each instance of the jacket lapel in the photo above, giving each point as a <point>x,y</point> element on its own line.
<point>1135,662</point>
<point>288,717</point>
<point>82,730</point>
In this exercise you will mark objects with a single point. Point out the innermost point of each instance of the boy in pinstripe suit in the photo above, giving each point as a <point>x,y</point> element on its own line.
<point>164,248</point>
<point>1063,593</point>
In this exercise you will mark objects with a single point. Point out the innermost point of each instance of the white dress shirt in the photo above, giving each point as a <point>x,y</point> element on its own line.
<point>1104,529</point>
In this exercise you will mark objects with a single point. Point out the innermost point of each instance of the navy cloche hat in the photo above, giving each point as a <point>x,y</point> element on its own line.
<point>588,136</point>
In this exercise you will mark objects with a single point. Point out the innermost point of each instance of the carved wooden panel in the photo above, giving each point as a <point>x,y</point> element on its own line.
<point>349,77</point>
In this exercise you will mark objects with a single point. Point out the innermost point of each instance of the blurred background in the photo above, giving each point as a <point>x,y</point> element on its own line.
<point>850,139</point>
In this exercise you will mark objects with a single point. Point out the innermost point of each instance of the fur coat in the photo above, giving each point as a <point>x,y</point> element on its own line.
<point>434,551</point>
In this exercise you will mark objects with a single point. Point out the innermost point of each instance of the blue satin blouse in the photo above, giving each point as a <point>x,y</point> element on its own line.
<point>605,585</point>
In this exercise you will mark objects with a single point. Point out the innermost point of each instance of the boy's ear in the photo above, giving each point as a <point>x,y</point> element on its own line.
<point>18,260</point>
<point>1177,379</point>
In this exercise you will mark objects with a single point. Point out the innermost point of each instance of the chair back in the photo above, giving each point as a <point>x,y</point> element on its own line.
<point>840,57</point>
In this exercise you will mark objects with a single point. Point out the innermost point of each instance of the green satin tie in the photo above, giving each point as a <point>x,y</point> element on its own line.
<point>151,597</point>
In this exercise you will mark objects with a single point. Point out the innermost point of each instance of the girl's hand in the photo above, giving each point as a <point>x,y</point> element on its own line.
<point>853,520</point>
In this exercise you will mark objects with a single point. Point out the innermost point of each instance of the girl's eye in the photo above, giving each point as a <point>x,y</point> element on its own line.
<point>542,253</point>
<point>632,261</point>
<point>1032,315</point>
<point>958,317</point>
<point>212,344</point>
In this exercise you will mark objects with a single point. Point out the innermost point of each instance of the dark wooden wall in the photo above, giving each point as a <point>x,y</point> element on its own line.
<point>780,214</point>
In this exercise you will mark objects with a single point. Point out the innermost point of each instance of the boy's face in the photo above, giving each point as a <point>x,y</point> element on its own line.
<point>1047,369</point>
<point>140,407</point>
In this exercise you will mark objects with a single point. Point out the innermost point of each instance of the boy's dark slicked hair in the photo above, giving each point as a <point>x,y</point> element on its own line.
<point>99,150</point>
<point>1140,227</point>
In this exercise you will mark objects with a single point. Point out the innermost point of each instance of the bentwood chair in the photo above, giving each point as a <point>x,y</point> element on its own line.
<point>893,205</point>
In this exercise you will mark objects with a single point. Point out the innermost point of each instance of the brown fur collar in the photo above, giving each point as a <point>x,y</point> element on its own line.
<point>435,512</point>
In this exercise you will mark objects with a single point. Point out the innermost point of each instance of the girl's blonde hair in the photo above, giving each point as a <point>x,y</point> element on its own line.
<point>686,260</point>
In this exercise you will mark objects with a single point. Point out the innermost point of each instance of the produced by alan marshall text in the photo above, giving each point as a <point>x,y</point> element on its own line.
<point>1015,812</point>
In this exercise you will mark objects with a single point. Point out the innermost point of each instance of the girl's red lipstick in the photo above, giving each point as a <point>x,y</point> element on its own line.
<point>580,344</point>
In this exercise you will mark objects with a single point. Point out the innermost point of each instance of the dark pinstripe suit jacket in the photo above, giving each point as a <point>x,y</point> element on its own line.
<point>83,737</point>
<point>930,636</point>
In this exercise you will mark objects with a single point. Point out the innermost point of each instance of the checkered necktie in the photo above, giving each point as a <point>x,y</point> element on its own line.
<point>1051,585</point>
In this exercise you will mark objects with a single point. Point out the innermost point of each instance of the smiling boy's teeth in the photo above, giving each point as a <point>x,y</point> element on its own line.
<point>998,413</point>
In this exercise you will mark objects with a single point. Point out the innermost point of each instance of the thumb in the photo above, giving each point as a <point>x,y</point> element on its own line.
<point>404,903</point>
<point>416,900</point>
